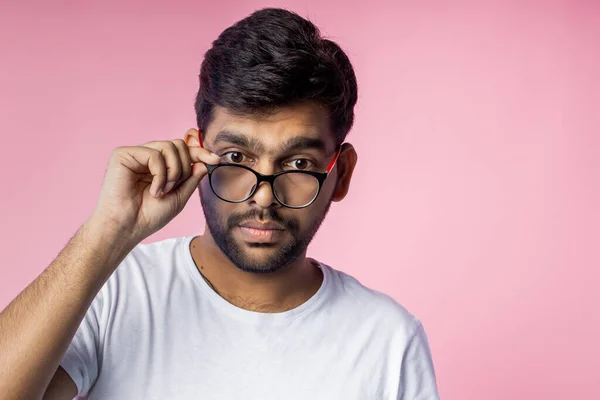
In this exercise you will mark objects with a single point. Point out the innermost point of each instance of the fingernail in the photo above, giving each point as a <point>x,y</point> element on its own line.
<point>169,186</point>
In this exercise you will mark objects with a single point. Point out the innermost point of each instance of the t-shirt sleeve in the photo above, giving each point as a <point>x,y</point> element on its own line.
<point>82,358</point>
<point>417,375</point>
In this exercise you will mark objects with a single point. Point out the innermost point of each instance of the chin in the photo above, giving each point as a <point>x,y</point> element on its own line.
<point>261,258</point>
<point>260,254</point>
<point>258,267</point>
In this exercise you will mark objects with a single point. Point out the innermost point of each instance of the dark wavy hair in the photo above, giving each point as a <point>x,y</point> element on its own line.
<point>275,58</point>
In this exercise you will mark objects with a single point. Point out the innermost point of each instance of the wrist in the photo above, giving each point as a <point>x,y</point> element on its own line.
<point>107,237</point>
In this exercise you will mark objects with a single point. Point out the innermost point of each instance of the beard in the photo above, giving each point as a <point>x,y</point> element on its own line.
<point>275,256</point>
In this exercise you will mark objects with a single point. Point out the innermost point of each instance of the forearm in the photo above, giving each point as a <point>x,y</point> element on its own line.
<point>38,326</point>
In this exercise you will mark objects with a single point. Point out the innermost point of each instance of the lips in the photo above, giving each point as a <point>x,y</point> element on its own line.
<point>261,232</point>
<point>263,225</point>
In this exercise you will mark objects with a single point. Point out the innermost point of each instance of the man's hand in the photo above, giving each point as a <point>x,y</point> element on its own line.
<point>146,186</point>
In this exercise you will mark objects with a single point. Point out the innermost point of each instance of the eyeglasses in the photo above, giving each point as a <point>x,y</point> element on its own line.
<point>235,183</point>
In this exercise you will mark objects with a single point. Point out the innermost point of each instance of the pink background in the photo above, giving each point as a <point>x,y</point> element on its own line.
<point>475,202</point>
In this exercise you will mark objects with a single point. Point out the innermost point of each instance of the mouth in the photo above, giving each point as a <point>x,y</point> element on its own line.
<point>257,232</point>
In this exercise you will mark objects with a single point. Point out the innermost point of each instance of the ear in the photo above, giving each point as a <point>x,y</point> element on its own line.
<point>345,167</point>
<point>192,138</point>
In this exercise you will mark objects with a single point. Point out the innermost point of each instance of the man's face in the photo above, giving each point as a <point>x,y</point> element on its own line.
<point>293,138</point>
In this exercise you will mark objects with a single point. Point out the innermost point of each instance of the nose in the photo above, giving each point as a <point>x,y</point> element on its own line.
<point>263,197</point>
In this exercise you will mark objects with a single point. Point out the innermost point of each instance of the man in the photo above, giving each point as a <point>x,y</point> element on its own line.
<point>239,312</point>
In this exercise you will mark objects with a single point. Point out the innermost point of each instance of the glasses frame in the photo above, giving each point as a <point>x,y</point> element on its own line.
<point>320,176</point>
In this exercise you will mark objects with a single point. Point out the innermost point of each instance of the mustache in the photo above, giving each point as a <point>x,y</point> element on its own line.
<point>267,215</point>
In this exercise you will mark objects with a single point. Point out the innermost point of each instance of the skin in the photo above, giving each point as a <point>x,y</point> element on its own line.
<point>144,188</point>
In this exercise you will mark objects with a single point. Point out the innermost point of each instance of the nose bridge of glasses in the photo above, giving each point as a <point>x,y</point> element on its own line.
<point>266,166</point>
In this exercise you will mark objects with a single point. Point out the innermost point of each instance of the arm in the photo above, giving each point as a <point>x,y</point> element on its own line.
<point>61,387</point>
<point>38,326</point>
<point>144,188</point>
<point>417,376</point>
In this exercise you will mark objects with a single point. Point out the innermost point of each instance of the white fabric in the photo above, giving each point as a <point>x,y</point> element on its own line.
<point>157,331</point>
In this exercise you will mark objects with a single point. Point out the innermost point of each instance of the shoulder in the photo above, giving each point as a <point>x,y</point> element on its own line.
<point>371,306</point>
<point>158,250</point>
<point>152,255</point>
<point>148,264</point>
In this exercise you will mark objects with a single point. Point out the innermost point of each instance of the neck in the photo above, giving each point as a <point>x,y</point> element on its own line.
<point>279,291</point>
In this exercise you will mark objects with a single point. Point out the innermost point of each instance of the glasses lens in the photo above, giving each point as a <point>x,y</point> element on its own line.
<point>296,189</point>
<point>232,183</point>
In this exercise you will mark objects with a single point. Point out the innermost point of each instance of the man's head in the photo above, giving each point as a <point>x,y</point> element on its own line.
<point>274,96</point>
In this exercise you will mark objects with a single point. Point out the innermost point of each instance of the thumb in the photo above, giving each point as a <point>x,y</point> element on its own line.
<point>187,188</point>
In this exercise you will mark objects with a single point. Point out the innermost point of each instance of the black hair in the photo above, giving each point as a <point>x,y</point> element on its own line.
<point>275,58</point>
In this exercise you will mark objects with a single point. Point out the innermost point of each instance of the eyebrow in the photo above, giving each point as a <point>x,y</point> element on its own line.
<point>293,144</point>
<point>239,139</point>
<point>302,143</point>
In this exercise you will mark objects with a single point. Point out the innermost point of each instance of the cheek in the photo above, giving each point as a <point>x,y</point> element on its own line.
<point>216,206</point>
<point>315,211</point>
<point>208,195</point>
<point>204,188</point>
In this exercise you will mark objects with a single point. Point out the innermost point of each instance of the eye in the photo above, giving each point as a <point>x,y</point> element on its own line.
<point>234,157</point>
<point>301,164</point>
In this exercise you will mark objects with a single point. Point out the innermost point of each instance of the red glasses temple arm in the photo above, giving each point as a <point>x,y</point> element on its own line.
<point>332,163</point>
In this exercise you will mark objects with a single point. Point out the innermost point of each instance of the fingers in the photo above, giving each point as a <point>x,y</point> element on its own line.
<point>141,160</point>
<point>187,187</point>
<point>186,161</point>
<point>178,160</point>
<point>199,157</point>
<point>172,161</point>
<point>200,154</point>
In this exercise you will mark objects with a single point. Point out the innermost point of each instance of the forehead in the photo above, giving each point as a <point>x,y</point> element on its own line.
<point>306,120</point>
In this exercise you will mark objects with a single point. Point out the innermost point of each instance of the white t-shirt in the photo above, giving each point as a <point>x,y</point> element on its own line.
<point>156,330</point>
